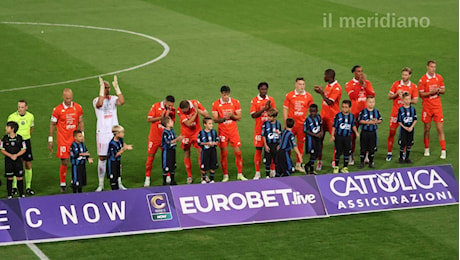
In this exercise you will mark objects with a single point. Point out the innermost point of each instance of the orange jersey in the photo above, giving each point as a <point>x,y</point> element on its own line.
<point>428,83</point>
<point>258,104</point>
<point>224,108</point>
<point>66,119</point>
<point>156,129</point>
<point>333,92</point>
<point>358,95</point>
<point>397,102</point>
<point>195,126</point>
<point>298,105</point>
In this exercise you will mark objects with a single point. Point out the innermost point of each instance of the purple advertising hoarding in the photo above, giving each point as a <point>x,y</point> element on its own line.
<point>388,189</point>
<point>86,215</point>
<point>240,202</point>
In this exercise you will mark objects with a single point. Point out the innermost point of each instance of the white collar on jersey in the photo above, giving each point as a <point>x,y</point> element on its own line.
<point>333,83</point>
<point>298,93</point>
<point>65,107</point>
<point>430,77</point>
<point>229,101</point>
<point>260,98</point>
<point>402,83</point>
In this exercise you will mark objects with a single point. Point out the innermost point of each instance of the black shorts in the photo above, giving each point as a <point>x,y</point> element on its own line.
<point>168,160</point>
<point>27,156</point>
<point>406,138</point>
<point>113,169</point>
<point>209,159</point>
<point>368,141</point>
<point>284,166</point>
<point>13,168</point>
<point>313,145</point>
<point>78,175</point>
<point>342,145</point>
<point>271,156</point>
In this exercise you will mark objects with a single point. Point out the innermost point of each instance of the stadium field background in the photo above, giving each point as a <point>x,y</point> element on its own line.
<point>235,43</point>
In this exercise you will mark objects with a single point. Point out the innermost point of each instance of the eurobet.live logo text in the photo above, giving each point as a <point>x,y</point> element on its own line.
<point>159,206</point>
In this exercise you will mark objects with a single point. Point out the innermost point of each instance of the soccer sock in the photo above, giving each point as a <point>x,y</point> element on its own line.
<point>337,159</point>
<point>62,174</point>
<point>362,156</point>
<point>320,157</point>
<point>300,146</point>
<point>173,182</point>
<point>164,178</point>
<point>188,166</point>
<point>21,187</point>
<point>74,189</point>
<point>346,158</point>
<point>101,168</point>
<point>15,183</point>
<point>371,157</point>
<point>211,175</point>
<point>272,166</point>
<point>223,161</point>
<point>401,152</point>
<point>203,175</point>
<point>443,144</point>
<point>28,177</point>
<point>79,190</point>
<point>267,172</point>
<point>239,162</point>
<point>391,139</point>
<point>407,152</point>
<point>257,159</point>
<point>148,166</point>
<point>9,187</point>
<point>426,142</point>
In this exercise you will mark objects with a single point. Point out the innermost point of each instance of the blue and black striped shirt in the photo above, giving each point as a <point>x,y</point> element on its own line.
<point>270,132</point>
<point>75,150</point>
<point>407,115</point>
<point>287,140</point>
<point>343,124</point>
<point>167,137</point>
<point>368,115</point>
<point>312,124</point>
<point>206,137</point>
<point>114,148</point>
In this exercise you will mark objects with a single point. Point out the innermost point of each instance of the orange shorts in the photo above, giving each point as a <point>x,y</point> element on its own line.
<point>298,133</point>
<point>63,151</point>
<point>432,114</point>
<point>258,140</point>
<point>188,142</point>
<point>153,146</point>
<point>234,140</point>
<point>394,121</point>
<point>327,124</point>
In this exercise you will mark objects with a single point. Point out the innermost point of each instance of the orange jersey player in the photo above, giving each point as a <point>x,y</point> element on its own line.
<point>430,87</point>
<point>66,118</point>
<point>259,107</point>
<point>189,111</point>
<point>358,89</point>
<point>331,95</point>
<point>226,111</point>
<point>296,106</point>
<point>158,111</point>
<point>395,94</point>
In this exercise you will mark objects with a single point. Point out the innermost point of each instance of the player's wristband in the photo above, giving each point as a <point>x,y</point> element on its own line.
<point>117,89</point>
<point>50,139</point>
<point>83,133</point>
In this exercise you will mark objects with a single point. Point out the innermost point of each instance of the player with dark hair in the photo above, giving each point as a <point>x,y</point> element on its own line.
<point>344,124</point>
<point>189,112</point>
<point>168,152</point>
<point>407,118</point>
<point>331,96</point>
<point>271,131</point>
<point>431,87</point>
<point>358,89</point>
<point>116,148</point>
<point>395,94</point>
<point>259,107</point>
<point>313,128</point>
<point>25,120</point>
<point>13,147</point>
<point>226,111</point>
<point>66,118</point>
<point>158,111</point>
<point>208,140</point>
<point>296,105</point>
<point>369,118</point>
<point>78,156</point>
<point>283,163</point>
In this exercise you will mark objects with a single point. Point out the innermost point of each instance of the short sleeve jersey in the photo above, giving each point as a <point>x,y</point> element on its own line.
<point>410,87</point>
<point>407,116</point>
<point>156,129</point>
<point>369,115</point>
<point>343,124</point>
<point>25,122</point>
<point>428,83</point>
<point>66,119</point>
<point>206,137</point>
<point>257,104</point>
<point>270,131</point>
<point>195,126</point>
<point>358,94</point>
<point>75,150</point>
<point>167,137</point>
<point>312,124</point>
<point>298,105</point>
<point>106,115</point>
<point>114,148</point>
<point>224,108</point>
<point>332,91</point>
<point>287,141</point>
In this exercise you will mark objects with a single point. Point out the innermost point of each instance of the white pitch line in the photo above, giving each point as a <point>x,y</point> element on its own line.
<point>37,251</point>
<point>162,43</point>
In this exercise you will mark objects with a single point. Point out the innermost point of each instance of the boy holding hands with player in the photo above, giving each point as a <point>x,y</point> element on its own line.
<point>344,124</point>
<point>271,130</point>
<point>369,118</point>
<point>313,129</point>
<point>407,118</point>
<point>78,156</point>
<point>168,154</point>
<point>116,148</point>
<point>284,166</point>
<point>208,140</point>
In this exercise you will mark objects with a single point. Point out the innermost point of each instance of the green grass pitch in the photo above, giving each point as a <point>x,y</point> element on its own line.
<point>238,43</point>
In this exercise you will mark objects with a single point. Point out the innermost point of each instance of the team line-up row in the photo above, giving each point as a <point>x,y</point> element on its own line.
<point>303,129</point>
